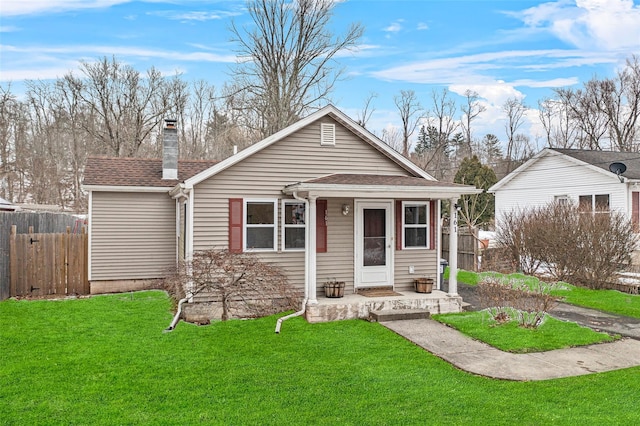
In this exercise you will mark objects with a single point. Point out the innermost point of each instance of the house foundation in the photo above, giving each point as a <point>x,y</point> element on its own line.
<point>357,306</point>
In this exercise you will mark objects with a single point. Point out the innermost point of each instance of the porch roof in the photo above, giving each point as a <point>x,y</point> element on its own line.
<point>379,186</point>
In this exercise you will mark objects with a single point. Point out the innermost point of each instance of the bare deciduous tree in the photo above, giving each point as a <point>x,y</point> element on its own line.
<point>392,137</point>
<point>410,109</point>
<point>514,110</point>
<point>586,113</point>
<point>288,57</point>
<point>367,110</point>
<point>127,105</point>
<point>621,105</point>
<point>471,110</point>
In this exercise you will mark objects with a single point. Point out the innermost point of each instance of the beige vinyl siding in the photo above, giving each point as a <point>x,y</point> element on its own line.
<point>299,157</point>
<point>132,235</point>
<point>338,262</point>
<point>424,262</point>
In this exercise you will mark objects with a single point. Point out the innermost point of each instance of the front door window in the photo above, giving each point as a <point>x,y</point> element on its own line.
<point>374,237</point>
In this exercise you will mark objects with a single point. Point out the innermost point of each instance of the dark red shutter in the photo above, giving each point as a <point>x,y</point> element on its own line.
<point>235,224</point>
<point>433,222</point>
<point>321,226</point>
<point>398,225</point>
<point>635,210</point>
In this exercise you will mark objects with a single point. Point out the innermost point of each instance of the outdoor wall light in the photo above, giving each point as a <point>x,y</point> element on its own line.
<point>345,209</point>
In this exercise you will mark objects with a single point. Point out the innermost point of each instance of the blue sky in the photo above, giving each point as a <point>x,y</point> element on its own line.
<point>500,49</point>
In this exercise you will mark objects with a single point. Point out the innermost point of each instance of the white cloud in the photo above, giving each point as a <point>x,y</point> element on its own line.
<point>8,29</point>
<point>93,51</point>
<point>470,68</point>
<point>588,24</point>
<point>422,26</point>
<point>394,27</point>
<point>28,7</point>
<point>54,62</point>
<point>200,16</point>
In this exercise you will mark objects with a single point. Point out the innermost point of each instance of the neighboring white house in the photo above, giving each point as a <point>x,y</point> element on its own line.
<point>575,175</point>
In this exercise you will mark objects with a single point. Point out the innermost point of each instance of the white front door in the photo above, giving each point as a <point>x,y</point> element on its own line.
<point>374,248</point>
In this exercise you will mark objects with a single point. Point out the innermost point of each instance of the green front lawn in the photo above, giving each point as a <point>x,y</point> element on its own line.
<point>104,360</point>
<point>510,337</point>
<point>604,300</point>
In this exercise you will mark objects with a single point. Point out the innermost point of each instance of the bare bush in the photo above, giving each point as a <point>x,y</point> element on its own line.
<point>495,295</point>
<point>507,299</point>
<point>569,244</point>
<point>532,303</point>
<point>244,285</point>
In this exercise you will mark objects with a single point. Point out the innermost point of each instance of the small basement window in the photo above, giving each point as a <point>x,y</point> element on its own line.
<point>327,134</point>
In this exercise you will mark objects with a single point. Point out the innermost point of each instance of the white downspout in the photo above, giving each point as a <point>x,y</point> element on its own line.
<point>306,267</point>
<point>189,296</point>
<point>176,317</point>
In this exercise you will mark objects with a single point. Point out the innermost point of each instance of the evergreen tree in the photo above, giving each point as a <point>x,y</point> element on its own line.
<point>476,209</point>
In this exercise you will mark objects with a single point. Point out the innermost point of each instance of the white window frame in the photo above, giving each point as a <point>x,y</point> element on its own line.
<point>561,199</point>
<point>593,203</point>
<point>245,226</point>
<point>426,225</point>
<point>285,226</point>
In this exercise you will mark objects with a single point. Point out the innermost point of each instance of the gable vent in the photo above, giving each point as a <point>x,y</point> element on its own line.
<point>327,134</point>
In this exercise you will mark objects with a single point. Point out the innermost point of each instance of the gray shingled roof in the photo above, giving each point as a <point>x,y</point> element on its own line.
<point>107,171</point>
<point>603,159</point>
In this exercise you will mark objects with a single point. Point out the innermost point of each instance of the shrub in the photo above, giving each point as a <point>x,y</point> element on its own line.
<point>244,285</point>
<point>567,243</point>
<point>512,298</point>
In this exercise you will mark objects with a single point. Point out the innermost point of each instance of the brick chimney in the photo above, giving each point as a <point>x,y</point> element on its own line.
<point>170,150</point>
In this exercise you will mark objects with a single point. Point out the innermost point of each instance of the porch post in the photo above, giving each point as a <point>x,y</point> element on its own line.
<point>453,248</point>
<point>311,251</point>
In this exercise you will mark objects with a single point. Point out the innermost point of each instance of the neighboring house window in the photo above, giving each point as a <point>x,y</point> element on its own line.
<point>594,203</point>
<point>293,225</point>
<point>260,224</point>
<point>562,199</point>
<point>415,224</point>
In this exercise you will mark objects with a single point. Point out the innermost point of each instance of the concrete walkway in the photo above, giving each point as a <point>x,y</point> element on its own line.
<point>479,358</point>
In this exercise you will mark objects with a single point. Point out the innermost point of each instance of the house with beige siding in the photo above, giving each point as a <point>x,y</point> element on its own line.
<point>324,199</point>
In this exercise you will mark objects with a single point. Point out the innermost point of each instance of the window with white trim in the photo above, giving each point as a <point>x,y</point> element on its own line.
<point>415,225</point>
<point>293,225</point>
<point>260,224</point>
<point>598,203</point>
<point>562,199</point>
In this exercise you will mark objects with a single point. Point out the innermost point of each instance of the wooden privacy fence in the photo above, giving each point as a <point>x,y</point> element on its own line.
<point>467,248</point>
<point>41,222</point>
<point>48,264</point>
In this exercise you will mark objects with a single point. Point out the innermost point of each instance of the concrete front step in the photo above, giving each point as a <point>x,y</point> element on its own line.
<point>398,314</point>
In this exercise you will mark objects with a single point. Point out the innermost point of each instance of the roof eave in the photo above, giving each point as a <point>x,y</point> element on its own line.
<point>117,188</point>
<point>380,191</point>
